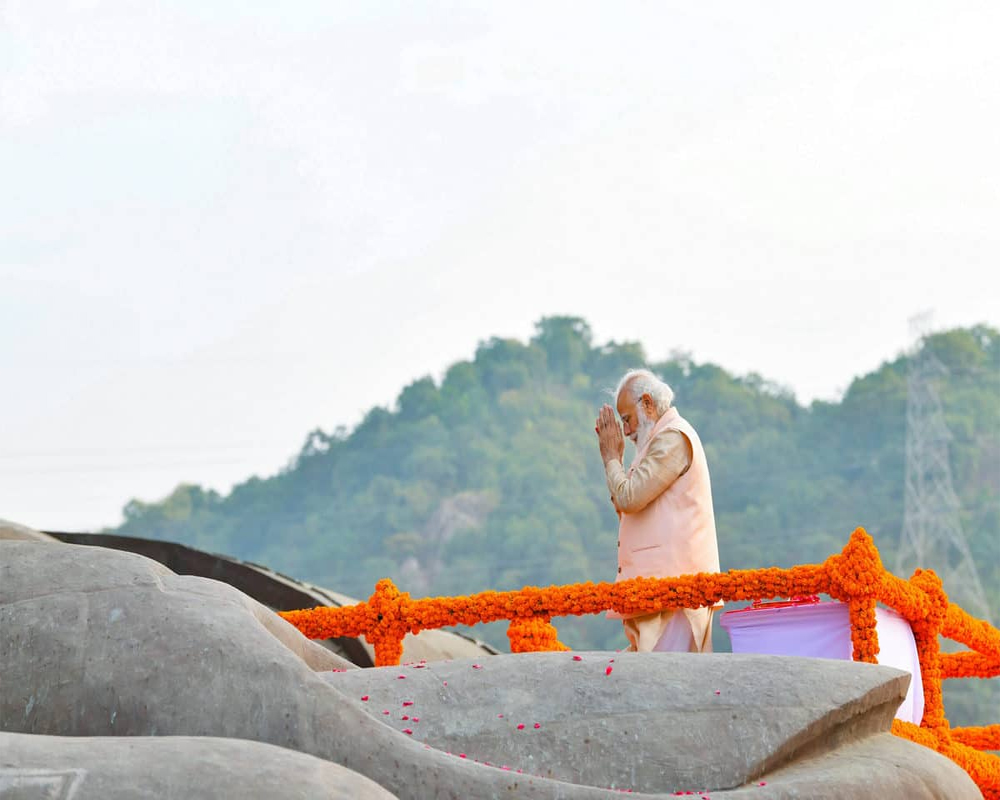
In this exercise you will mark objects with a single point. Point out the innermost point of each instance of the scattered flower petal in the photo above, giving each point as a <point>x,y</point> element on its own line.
<point>608,670</point>
<point>477,666</point>
<point>401,677</point>
<point>405,717</point>
<point>538,725</point>
<point>385,711</point>
<point>462,755</point>
<point>407,731</point>
<point>415,719</point>
<point>520,726</point>
<point>407,703</point>
<point>578,658</point>
<point>364,697</point>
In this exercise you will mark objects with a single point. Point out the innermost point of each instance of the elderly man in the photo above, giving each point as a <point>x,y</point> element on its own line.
<point>664,505</point>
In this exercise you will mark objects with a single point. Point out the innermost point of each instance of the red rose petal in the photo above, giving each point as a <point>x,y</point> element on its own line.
<point>462,755</point>
<point>405,717</point>
<point>717,691</point>
<point>578,658</point>
<point>538,725</point>
<point>407,731</point>
<point>477,666</point>
<point>364,697</point>
<point>608,670</point>
<point>407,703</point>
<point>416,719</point>
<point>499,716</point>
<point>520,726</point>
<point>386,711</point>
<point>401,677</point>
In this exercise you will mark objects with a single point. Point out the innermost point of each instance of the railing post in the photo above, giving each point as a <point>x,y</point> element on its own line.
<point>864,636</point>
<point>533,634</point>
<point>388,623</point>
<point>925,634</point>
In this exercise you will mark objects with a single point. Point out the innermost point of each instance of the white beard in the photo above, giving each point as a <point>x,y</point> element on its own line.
<point>643,430</point>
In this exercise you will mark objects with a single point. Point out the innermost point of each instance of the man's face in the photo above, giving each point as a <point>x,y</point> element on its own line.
<point>630,413</point>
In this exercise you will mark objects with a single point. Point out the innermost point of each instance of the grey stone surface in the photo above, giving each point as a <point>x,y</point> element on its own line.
<point>13,531</point>
<point>101,643</point>
<point>169,768</point>
<point>657,722</point>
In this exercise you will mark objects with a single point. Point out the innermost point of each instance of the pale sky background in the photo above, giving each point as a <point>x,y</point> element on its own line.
<point>224,224</point>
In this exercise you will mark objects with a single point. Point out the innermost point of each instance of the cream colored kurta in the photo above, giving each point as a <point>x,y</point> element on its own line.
<point>667,456</point>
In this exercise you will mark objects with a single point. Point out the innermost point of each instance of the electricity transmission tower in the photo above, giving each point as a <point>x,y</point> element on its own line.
<point>932,531</point>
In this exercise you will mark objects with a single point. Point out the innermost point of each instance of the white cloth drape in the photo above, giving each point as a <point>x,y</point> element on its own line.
<point>823,630</point>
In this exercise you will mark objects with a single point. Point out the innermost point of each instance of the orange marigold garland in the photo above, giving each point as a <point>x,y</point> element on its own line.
<point>533,634</point>
<point>986,737</point>
<point>925,634</point>
<point>387,622</point>
<point>975,633</point>
<point>864,637</point>
<point>968,664</point>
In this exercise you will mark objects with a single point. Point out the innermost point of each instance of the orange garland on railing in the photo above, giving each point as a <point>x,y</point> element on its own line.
<point>855,576</point>
<point>532,635</point>
<point>986,737</point>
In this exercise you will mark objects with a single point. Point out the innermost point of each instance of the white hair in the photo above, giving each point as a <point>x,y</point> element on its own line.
<point>642,381</point>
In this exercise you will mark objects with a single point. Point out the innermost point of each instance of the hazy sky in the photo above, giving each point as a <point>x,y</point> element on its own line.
<point>223,224</point>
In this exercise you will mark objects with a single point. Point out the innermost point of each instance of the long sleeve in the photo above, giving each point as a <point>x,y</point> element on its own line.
<point>667,458</point>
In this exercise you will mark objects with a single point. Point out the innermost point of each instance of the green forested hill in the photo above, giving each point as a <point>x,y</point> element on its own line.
<point>492,478</point>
